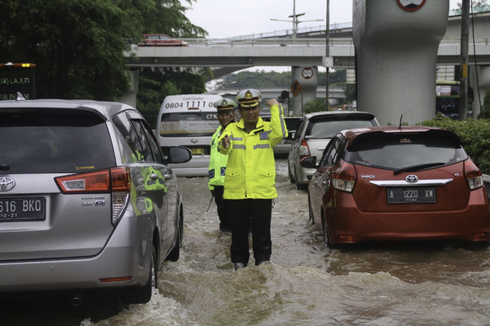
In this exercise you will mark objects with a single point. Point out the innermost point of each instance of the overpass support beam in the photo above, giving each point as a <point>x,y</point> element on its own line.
<point>130,97</point>
<point>480,87</point>
<point>396,45</point>
<point>307,77</point>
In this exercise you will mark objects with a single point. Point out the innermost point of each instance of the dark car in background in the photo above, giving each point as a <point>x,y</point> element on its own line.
<point>313,134</point>
<point>161,40</point>
<point>397,184</point>
<point>283,147</point>
<point>87,200</point>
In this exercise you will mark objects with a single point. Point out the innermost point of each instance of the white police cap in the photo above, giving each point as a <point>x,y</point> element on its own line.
<point>225,104</point>
<point>248,98</point>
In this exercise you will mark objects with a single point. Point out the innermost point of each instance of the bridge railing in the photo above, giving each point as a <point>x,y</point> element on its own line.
<point>302,42</point>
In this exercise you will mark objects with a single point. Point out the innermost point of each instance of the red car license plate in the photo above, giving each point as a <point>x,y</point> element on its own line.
<point>22,209</point>
<point>411,195</point>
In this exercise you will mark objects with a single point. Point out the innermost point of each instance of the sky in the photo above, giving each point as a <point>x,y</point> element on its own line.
<point>230,18</point>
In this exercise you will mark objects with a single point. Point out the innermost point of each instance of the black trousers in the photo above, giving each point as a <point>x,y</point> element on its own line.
<point>222,207</point>
<point>246,215</point>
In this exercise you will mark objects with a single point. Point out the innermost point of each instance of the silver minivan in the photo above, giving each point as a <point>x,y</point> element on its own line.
<point>87,200</point>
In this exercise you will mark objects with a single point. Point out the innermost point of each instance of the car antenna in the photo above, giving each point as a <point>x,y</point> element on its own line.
<point>400,125</point>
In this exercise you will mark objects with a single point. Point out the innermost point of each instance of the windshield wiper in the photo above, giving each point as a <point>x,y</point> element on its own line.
<point>417,167</point>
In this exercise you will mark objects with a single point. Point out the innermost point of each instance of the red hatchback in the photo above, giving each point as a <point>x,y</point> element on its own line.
<point>396,184</point>
<point>161,40</point>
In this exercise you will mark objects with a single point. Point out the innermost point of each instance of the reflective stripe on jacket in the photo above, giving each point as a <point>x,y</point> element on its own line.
<point>217,163</point>
<point>251,170</point>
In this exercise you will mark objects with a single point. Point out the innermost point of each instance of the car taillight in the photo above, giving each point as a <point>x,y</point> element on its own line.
<point>116,181</point>
<point>304,150</point>
<point>473,175</point>
<point>345,180</point>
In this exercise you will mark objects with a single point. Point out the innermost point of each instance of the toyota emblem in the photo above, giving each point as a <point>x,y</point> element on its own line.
<point>412,178</point>
<point>6,184</point>
<point>193,140</point>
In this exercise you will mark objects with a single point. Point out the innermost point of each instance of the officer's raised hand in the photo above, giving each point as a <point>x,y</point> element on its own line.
<point>225,142</point>
<point>271,102</point>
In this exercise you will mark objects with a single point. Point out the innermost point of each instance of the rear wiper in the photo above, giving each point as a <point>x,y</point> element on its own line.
<point>417,167</point>
<point>4,167</point>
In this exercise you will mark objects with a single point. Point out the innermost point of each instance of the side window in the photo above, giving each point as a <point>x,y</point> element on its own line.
<point>301,126</point>
<point>141,143</point>
<point>331,153</point>
<point>127,138</point>
<point>155,149</point>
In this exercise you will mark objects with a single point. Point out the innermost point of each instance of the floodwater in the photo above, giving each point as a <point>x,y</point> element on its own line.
<point>307,283</point>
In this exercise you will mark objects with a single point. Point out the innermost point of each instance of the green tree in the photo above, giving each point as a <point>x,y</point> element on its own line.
<point>156,84</point>
<point>315,106</point>
<point>78,45</point>
<point>485,110</point>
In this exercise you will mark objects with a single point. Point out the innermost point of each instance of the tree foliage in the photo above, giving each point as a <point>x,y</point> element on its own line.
<point>485,110</point>
<point>474,134</point>
<point>78,45</point>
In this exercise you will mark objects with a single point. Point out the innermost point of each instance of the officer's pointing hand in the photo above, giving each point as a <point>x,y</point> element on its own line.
<point>225,142</point>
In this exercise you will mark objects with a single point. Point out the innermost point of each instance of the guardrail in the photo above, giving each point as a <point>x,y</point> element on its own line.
<point>302,42</point>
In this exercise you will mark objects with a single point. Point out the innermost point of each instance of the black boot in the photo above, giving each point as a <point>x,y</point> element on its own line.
<point>239,265</point>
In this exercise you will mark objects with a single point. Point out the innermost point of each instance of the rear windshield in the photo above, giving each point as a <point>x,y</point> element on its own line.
<point>398,151</point>
<point>188,124</point>
<point>54,141</point>
<point>328,128</point>
<point>292,124</point>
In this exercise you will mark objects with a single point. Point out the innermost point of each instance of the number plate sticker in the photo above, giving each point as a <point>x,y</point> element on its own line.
<point>411,195</point>
<point>22,209</point>
<point>197,151</point>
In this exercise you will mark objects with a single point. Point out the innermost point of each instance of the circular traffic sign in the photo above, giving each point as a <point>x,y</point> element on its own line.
<point>410,5</point>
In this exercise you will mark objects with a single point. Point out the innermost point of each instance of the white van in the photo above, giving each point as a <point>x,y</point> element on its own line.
<point>188,120</point>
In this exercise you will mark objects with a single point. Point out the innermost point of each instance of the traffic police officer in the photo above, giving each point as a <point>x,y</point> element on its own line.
<point>217,162</point>
<point>250,175</point>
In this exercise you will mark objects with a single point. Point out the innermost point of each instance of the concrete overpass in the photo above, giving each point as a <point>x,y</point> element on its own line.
<point>307,50</point>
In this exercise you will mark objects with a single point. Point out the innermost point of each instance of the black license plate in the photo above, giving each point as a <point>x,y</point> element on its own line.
<point>22,209</point>
<point>411,195</point>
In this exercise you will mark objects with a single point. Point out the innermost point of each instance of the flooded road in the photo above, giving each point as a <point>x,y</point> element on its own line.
<point>309,284</point>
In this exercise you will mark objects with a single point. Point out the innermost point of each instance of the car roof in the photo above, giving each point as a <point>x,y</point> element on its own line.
<point>309,116</point>
<point>102,108</point>
<point>352,134</point>
<point>151,34</point>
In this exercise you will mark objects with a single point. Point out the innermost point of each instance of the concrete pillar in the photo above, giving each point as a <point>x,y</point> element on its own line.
<point>479,88</point>
<point>396,43</point>
<point>130,97</point>
<point>307,77</point>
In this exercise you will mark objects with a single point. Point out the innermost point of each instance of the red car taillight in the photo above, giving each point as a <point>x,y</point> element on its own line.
<point>473,175</point>
<point>304,150</point>
<point>117,181</point>
<point>345,180</point>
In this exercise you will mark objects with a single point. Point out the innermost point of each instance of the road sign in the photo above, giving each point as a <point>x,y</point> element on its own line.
<point>296,88</point>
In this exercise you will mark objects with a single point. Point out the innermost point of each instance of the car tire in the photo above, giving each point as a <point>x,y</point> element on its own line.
<point>291,179</point>
<point>310,210</point>
<point>174,254</point>
<point>142,295</point>
<point>326,237</point>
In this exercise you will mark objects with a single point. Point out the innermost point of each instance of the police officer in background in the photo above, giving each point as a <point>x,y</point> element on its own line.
<point>250,176</point>
<point>217,162</point>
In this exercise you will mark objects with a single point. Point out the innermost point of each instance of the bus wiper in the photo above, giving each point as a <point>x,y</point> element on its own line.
<point>417,167</point>
<point>4,167</point>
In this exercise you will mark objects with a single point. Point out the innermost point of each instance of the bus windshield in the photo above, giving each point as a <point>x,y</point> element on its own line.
<point>188,124</point>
